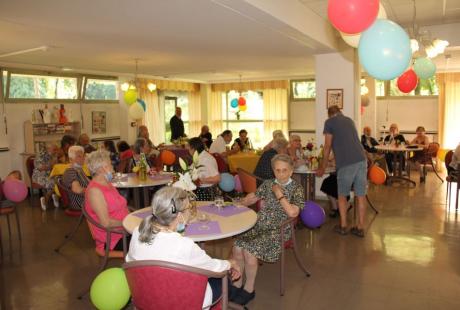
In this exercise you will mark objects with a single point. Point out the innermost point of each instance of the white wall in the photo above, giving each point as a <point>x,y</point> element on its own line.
<point>18,113</point>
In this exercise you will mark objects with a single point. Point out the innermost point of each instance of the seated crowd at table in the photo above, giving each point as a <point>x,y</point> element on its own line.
<point>89,173</point>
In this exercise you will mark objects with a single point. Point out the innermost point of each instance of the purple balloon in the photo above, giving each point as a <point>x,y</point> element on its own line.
<point>312,215</point>
<point>15,190</point>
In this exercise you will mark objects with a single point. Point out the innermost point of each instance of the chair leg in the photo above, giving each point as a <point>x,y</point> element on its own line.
<point>447,191</point>
<point>371,205</point>
<point>436,172</point>
<point>18,223</point>
<point>71,235</point>
<point>296,254</point>
<point>9,225</point>
<point>282,270</point>
<point>456,200</point>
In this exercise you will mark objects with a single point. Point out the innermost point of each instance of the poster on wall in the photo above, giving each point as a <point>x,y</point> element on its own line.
<point>334,97</point>
<point>99,122</point>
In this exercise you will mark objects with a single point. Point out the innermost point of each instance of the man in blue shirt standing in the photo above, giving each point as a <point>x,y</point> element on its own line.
<point>341,135</point>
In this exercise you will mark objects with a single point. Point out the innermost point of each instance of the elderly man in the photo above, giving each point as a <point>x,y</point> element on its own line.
<point>83,141</point>
<point>341,135</point>
<point>177,125</point>
<point>368,141</point>
<point>220,145</point>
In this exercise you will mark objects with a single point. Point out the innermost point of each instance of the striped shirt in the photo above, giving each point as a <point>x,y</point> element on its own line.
<point>75,174</point>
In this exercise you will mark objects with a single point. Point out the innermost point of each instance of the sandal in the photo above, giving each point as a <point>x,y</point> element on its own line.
<point>357,232</point>
<point>340,230</point>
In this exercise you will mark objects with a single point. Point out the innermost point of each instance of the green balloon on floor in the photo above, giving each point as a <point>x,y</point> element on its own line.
<point>110,290</point>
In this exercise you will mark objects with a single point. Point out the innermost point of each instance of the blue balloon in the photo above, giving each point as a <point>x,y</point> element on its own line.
<point>234,103</point>
<point>424,68</point>
<point>227,182</point>
<point>384,50</point>
<point>142,103</point>
<point>312,215</point>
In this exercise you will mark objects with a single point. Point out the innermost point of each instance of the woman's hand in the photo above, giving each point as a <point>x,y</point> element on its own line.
<point>153,171</point>
<point>235,272</point>
<point>250,199</point>
<point>278,191</point>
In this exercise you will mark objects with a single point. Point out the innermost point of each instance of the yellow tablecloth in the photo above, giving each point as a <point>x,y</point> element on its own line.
<point>58,169</point>
<point>246,161</point>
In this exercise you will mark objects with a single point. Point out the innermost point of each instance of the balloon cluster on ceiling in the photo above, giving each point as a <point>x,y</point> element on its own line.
<point>384,47</point>
<point>136,105</point>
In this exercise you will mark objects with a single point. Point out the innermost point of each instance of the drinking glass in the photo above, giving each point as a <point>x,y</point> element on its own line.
<point>219,202</point>
<point>203,218</point>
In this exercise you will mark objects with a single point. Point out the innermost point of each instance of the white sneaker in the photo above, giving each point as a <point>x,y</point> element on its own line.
<point>43,203</point>
<point>55,200</point>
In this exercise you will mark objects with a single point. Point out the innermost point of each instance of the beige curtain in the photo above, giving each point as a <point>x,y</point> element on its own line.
<point>252,85</point>
<point>449,109</point>
<point>275,111</point>
<point>170,85</point>
<point>215,113</point>
<point>194,114</point>
<point>152,117</point>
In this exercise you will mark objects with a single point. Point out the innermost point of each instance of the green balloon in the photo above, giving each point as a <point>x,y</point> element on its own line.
<point>424,68</point>
<point>130,96</point>
<point>110,290</point>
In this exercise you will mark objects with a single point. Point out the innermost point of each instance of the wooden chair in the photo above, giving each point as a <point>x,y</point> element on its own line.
<point>221,164</point>
<point>30,165</point>
<point>64,192</point>
<point>429,158</point>
<point>106,253</point>
<point>162,285</point>
<point>6,209</point>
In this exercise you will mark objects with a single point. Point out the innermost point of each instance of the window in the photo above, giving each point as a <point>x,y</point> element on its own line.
<point>252,119</point>
<point>424,88</point>
<point>30,86</point>
<point>97,89</point>
<point>379,88</point>
<point>303,90</point>
<point>4,77</point>
<point>171,102</point>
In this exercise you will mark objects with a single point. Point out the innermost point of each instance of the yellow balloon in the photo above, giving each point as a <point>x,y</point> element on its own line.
<point>243,107</point>
<point>130,96</point>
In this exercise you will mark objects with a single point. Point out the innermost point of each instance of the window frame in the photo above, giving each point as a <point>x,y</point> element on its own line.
<point>176,99</point>
<point>81,86</point>
<point>387,95</point>
<point>291,89</point>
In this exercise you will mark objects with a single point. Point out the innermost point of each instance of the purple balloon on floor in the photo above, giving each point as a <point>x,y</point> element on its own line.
<point>312,215</point>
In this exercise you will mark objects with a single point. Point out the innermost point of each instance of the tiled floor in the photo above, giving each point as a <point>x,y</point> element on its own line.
<point>409,259</point>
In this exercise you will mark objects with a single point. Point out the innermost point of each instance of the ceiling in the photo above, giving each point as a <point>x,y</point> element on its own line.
<point>200,40</point>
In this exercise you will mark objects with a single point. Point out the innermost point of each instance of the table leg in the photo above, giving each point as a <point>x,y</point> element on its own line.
<point>397,174</point>
<point>146,197</point>
<point>136,194</point>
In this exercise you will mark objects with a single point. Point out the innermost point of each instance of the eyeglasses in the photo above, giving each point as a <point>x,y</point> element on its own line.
<point>174,208</point>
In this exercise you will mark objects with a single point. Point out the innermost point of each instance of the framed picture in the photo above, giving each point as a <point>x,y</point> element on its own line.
<point>302,90</point>
<point>99,122</point>
<point>334,97</point>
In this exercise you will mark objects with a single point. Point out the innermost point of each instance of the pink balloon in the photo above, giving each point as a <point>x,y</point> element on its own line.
<point>352,16</point>
<point>15,190</point>
<point>238,186</point>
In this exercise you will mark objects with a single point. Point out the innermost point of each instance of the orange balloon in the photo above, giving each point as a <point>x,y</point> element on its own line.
<point>377,175</point>
<point>168,158</point>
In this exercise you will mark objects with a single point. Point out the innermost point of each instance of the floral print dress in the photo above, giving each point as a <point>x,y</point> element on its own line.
<point>42,177</point>
<point>263,240</point>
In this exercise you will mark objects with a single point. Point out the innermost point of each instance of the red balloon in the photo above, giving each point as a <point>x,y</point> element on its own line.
<point>241,101</point>
<point>407,81</point>
<point>352,16</point>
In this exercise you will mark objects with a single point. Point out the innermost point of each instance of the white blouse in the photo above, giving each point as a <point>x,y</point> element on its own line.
<point>173,247</point>
<point>208,167</point>
<point>218,146</point>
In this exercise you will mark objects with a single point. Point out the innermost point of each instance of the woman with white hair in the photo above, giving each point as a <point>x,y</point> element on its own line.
<point>158,238</point>
<point>103,202</point>
<point>276,134</point>
<point>74,178</point>
<point>43,164</point>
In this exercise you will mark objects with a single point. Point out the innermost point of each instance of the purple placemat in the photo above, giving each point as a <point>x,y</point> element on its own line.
<point>202,228</point>
<point>143,215</point>
<point>225,211</point>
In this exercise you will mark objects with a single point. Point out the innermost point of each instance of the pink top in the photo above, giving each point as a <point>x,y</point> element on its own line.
<point>116,207</point>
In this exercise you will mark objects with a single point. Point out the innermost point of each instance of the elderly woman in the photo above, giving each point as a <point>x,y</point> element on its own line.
<point>420,140</point>
<point>141,146</point>
<point>264,167</point>
<point>43,164</point>
<point>103,202</point>
<point>283,198</point>
<point>276,134</point>
<point>295,150</point>
<point>208,173</point>
<point>74,178</point>
<point>158,237</point>
<point>242,141</point>
<point>394,137</point>
<point>63,153</point>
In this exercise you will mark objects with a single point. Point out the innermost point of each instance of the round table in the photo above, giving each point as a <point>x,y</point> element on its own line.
<point>308,180</point>
<point>391,148</point>
<point>131,181</point>
<point>229,225</point>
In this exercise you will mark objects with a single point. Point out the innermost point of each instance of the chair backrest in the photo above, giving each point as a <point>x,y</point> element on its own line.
<point>448,158</point>
<point>163,285</point>
<point>64,192</point>
<point>30,165</point>
<point>248,181</point>
<point>221,164</point>
<point>433,149</point>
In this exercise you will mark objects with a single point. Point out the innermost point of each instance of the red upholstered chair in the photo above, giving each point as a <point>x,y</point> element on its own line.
<point>6,210</point>
<point>221,164</point>
<point>107,253</point>
<point>64,192</point>
<point>248,181</point>
<point>160,285</point>
<point>30,165</point>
